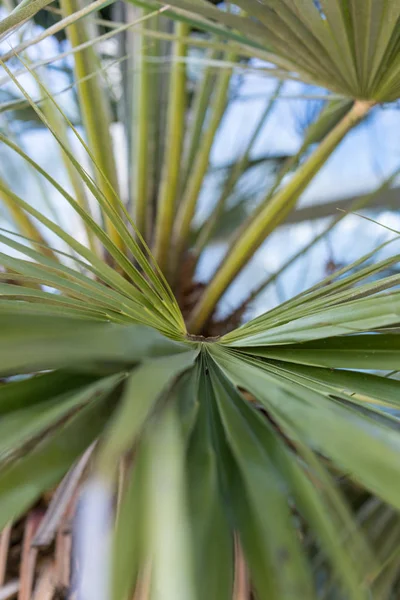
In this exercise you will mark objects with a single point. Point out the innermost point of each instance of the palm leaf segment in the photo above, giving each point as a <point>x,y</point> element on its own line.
<point>254,428</point>
<point>348,46</point>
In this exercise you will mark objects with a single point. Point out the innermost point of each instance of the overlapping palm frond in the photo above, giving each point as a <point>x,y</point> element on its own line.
<point>263,463</point>
<point>254,430</point>
<point>350,46</point>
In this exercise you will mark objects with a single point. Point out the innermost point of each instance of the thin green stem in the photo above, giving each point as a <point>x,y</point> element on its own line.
<point>356,205</point>
<point>172,151</point>
<point>328,118</point>
<point>272,214</point>
<point>159,90</point>
<point>198,115</point>
<point>189,201</point>
<point>96,115</point>
<point>155,50</point>
<point>140,131</point>
<point>23,222</point>
<point>233,177</point>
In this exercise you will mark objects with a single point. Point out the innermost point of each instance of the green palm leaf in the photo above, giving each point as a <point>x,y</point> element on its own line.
<point>22,482</point>
<point>350,46</point>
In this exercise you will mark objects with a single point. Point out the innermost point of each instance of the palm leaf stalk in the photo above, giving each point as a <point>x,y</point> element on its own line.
<point>234,176</point>
<point>140,137</point>
<point>191,193</point>
<point>80,194</point>
<point>199,111</point>
<point>91,94</point>
<point>173,151</point>
<point>258,463</point>
<point>273,213</point>
<point>358,204</point>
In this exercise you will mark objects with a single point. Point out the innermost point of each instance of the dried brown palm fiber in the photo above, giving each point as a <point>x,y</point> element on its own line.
<point>45,587</point>
<point>241,588</point>
<point>229,323</point>
<point>4,548</point>
<point>32,565</point>
<point>63,594</point>
<point>15,550</point>
<point>142,591</point>
<point>188,290</point>
<point>62,565</point>
<point>41,542</point>
<point>60,501</point>
<point>29,554</point>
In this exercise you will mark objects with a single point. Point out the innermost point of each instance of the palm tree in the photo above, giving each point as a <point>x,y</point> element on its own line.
<point>224,459</point>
